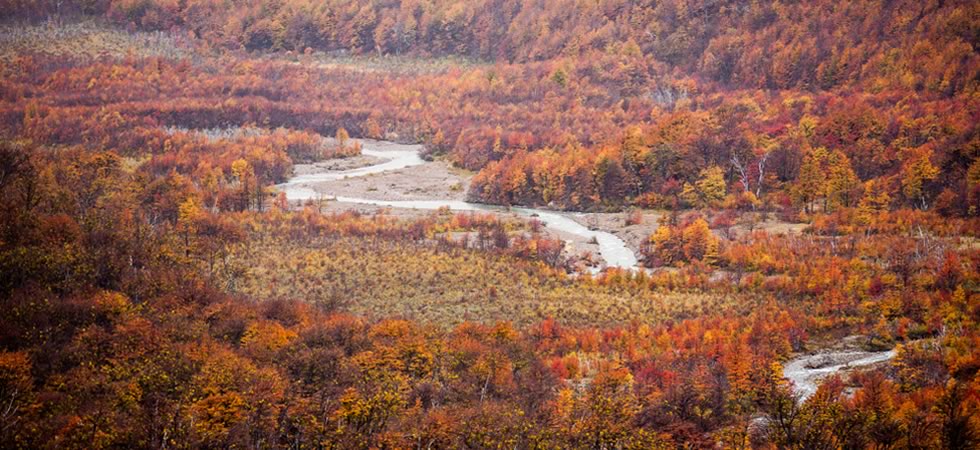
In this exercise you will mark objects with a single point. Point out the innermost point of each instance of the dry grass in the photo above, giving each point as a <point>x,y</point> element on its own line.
<point>85,40</point>
<point>389,64</point>
<point>384,278</point>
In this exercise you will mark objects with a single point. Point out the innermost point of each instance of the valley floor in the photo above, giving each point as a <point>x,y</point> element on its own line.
<point>439,180</point>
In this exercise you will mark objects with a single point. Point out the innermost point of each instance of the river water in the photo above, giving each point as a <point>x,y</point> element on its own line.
<point>612,249</point>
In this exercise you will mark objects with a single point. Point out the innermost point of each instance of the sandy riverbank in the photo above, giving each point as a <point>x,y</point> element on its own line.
<point>808,370</point>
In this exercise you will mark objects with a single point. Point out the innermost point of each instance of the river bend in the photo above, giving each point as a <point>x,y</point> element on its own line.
<point>612,249</point>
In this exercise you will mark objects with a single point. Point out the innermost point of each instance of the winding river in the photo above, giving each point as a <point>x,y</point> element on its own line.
<point>805,372</point>
<point>395,156</point>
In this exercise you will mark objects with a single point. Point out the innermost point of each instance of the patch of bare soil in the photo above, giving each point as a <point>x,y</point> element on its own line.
<point>634,232</point>
<point>773,227</point>
<point>429,181</point>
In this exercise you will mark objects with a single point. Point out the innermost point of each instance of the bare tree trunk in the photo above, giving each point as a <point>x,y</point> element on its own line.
<point>762,172</point>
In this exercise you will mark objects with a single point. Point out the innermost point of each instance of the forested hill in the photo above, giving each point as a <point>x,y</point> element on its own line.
<point>590,105</point>
<point>748,44</point>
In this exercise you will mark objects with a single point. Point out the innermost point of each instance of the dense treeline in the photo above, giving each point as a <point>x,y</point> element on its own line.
<point>749,44</point>
<point>753,149</point>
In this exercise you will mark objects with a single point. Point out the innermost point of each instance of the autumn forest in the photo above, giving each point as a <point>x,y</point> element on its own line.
<point>476,224</point>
